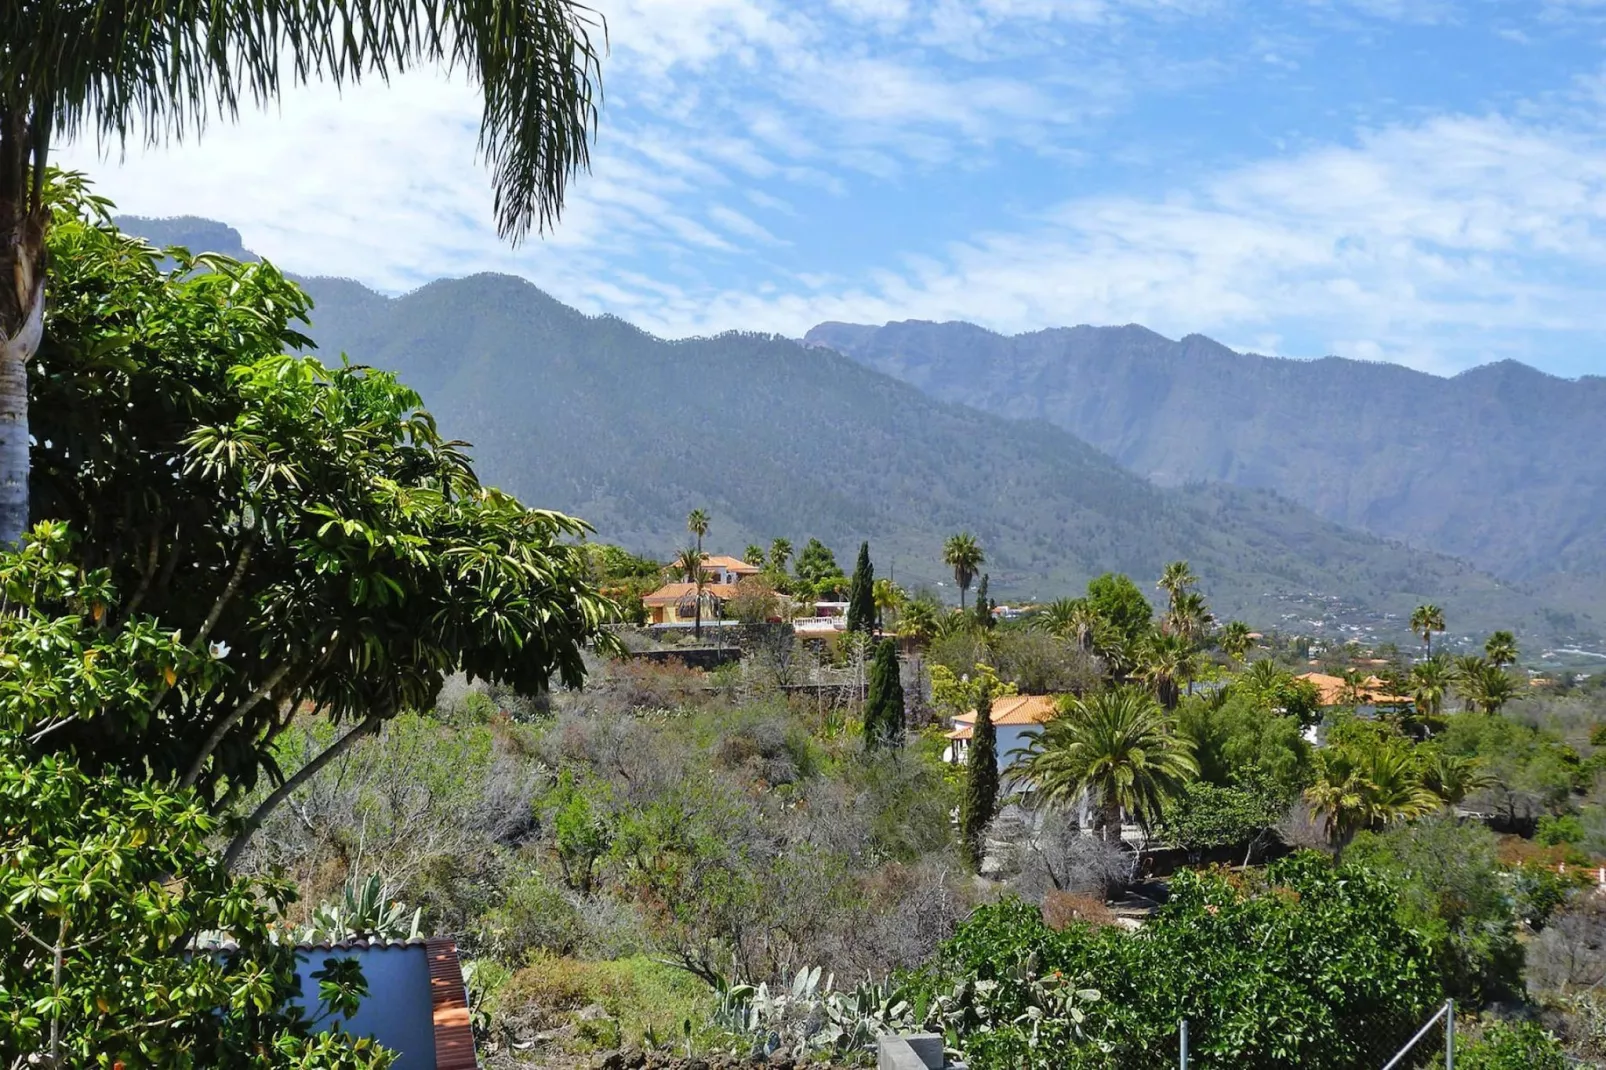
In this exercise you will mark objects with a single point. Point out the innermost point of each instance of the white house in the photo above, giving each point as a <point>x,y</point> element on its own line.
<point>1015,719</point>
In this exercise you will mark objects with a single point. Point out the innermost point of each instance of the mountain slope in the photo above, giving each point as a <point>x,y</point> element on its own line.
<point>1502,465</point>
<point>595,417</point>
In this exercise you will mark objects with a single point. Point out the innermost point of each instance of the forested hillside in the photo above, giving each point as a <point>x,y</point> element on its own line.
<point>773,438</point>
<point>1502,465</point>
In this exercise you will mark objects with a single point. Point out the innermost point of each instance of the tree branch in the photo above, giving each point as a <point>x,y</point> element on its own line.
<point>223,599</point>
<point>149,575</point>
<point>305,773</point>
<point>193,774</point>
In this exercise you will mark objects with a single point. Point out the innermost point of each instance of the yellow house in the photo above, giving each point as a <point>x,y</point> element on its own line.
<point>676,603</point>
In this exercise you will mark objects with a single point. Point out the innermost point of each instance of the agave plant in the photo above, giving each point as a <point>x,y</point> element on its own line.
<point>808,1014</point>
<point>363,913</point>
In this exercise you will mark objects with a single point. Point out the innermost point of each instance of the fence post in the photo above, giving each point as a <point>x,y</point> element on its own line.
<point>1449,1035</point>
<point>1184,1044</point>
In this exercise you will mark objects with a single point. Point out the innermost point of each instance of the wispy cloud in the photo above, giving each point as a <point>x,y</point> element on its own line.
<point>1195,165</point>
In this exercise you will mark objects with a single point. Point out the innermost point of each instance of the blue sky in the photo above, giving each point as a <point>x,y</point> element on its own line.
<point>1407,180</point>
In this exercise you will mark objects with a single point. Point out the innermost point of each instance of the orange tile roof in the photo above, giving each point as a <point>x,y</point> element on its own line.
<point>1018,710</point>
<point>1331,690</point>
<point>454,1036</point>
<point>671,593</point>
<point>730,564</point>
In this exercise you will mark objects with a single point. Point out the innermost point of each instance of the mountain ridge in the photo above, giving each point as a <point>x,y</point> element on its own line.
<point>598,418</point>
<point>1398,452</point>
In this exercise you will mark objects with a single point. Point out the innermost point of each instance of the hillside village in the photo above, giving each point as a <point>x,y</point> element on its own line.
<point>1122,704</point>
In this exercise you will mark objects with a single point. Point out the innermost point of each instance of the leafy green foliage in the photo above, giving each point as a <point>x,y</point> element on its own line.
<point>884,700</point>
<point>979,803</point>
<point>1117,600</point>
<point>1304,967</point>
<point>1514,1046</point>
<point>116,877</point>
<point>1204,816</point>
<point>861,593</point>
<point>1453,889</point>
<point>306,525</point>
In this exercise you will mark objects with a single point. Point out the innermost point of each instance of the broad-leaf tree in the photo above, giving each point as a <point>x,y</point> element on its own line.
<point>159,70</point>
<point>105,879</point>
<point>305,527</point>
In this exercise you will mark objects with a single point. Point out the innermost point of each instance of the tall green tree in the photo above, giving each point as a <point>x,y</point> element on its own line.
<point>1425,620</point>
<point>158,70</point>
<point>1368,783</point>
<point>889,600</point>
<point>883,705</point>
<point>754,555</point>
<point>979,804</point>
<point>1430,681</point>
<point>1166,663</point>
<point>690,564</point>
<point>964,555</point>
<point>304,528</point>
<point>780,555</point>
<point>861,593</point>
<point>1119,601</point>
<point>984,606</point>
<point>697,524</point>
<point>1176,579</point>
<point>1234,640</point>
<point>1501,649</point>
<point>1119,747</point>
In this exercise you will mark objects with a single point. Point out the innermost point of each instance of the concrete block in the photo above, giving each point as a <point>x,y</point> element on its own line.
<point>920,1051</point>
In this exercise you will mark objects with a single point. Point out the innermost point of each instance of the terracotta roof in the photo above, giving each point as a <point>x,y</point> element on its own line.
<point>1331,690</point>
<point>671,593</point>
<point>731,564</point>
<point>454,1037</point>
<point>962,732</point>
<point>1017,709</point>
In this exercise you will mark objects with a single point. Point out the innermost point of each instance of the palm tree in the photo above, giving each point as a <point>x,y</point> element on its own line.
<point>889,599</point>
<point>697,524</point>
<point>780,554</point>
<point>753,555</point>
<point>689,563</point>
<point>159,69</point>
<point>1430,681</point>
<point>918,621</point>
<point>1365,786</point>
<point>1166,664</point>
<point>963,554</point>
<point>1487,687</point>
<point>1176,578</point>
<point>1071,619</point>
<point>1190,618</point>
<point>1234,640</point>
<point>1425,620</point>
<point>1501,649</point>
<point>1453,777</point>
<point>1118,746</point>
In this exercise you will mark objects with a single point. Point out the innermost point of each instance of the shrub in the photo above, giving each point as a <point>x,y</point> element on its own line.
<point>1520,1046</point>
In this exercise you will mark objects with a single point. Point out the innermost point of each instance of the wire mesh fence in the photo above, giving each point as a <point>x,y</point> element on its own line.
<point>1378,1042</point>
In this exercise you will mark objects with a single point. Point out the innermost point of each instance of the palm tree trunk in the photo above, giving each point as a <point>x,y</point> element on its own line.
<point>22,309</point>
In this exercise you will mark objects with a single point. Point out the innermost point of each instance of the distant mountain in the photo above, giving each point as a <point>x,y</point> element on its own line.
<point>1502,465</point>
<point>773,438</point>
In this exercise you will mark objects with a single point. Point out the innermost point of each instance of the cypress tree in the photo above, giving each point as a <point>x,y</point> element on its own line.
<point>984,605</point>
<point>861,593</point>
<point>883,707</point>
<point>981,781</point>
